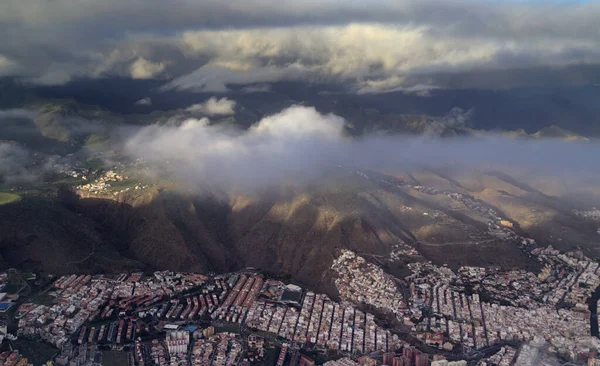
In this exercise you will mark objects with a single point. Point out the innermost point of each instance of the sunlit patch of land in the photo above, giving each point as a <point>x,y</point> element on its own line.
<point>6,198</point>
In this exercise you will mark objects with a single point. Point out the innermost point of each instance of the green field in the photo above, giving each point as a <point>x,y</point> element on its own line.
<point>6,198</point>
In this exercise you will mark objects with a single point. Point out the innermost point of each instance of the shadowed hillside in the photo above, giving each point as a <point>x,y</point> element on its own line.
<point>294,233</point>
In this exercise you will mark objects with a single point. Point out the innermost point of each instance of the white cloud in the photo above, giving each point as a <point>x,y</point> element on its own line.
<point>15,165</point>
<point>299,145</point>
<point>282,146</point>
<point>374,57</point>
<point>7,66</point>
<point>144,69</point>
<point>17,113</point>
<point>52,77</point>
<point>214,78</point>
<point>256,88</point>
<point>144,101</point>
<point>214,107</point>
<point>388,86</point>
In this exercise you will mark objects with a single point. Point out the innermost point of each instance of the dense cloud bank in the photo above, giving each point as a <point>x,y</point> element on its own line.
<point>374,45</point>
<point>299,145</point>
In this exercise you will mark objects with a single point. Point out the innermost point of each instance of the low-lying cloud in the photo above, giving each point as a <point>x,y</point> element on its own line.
<point>214,107</point>
<point>16,113</point>
<point>299,145</point>
<point>144,101</point>
<point>16,165</point>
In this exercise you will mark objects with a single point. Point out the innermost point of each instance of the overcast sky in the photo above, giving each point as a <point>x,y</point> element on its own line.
<point>372,45</point>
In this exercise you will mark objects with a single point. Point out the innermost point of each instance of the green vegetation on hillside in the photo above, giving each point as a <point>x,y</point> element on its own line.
<point>94,164</point>
<point>6,198</point>
<point>37,353</point>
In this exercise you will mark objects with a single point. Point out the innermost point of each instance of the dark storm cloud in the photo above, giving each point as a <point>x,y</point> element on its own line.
<point>111,17</point>
<point>206,44</point>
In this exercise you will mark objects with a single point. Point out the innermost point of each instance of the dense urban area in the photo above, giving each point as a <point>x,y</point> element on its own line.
<point>433,316</point>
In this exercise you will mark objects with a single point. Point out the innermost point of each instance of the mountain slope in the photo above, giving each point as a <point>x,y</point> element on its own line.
<point>293,233</point>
